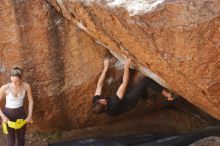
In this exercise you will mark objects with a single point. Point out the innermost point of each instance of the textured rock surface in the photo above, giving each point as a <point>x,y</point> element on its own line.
<point>62,63</point>
<point>179,41</point>
<point>210,141</point>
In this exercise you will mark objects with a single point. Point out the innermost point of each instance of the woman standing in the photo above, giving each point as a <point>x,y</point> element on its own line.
<point>14,93</point>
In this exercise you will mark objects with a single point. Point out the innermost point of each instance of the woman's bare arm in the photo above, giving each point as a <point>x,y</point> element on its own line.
<point>30,103</point>
<point>102,78</point>
<point>2,96</point>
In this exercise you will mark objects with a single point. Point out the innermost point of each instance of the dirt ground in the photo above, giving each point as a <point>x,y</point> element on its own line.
<point>30,140</point>
<point>162,121</point>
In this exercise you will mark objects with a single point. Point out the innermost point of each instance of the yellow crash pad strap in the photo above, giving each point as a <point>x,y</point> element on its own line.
<point>18,124</point>
<point>15,125</point>
<point>4,128</point>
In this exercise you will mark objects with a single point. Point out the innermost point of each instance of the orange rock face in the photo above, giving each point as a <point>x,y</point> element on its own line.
<point>179,41</point>
<point>60,61</point>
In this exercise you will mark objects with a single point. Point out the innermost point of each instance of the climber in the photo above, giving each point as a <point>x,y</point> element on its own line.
<point>123,101</point>
<point>15,92</point>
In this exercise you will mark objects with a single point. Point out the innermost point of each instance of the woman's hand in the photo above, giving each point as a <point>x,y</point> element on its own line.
<point>29,119</point>
<point>5,119</point>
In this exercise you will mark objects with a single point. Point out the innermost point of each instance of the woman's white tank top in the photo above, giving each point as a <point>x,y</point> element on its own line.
<point>14,102</point>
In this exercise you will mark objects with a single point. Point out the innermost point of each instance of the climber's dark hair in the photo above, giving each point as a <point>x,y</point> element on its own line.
<point>98,107</point>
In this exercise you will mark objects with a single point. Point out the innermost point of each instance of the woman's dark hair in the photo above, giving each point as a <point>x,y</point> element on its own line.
<point>16,71</point>
<point>98,107</point>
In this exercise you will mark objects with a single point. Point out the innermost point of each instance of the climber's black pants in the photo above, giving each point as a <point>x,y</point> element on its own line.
<point>132,96</point>
<point>13,115</point>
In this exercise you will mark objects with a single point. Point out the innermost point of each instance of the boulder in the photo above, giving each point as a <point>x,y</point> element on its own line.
<point>174,42</point>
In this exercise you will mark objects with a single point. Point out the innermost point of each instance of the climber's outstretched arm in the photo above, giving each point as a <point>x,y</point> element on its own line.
<point>102,78</point>
<point>122,89</point>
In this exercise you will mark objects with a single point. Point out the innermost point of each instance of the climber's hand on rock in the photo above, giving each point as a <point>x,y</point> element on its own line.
<point>128,62</point>
<point>106,63</point>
